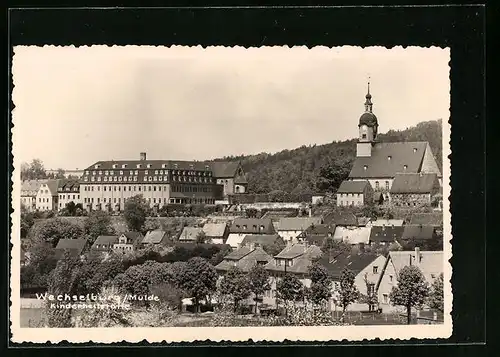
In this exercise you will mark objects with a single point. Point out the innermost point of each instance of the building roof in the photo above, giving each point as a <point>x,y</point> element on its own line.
<point>155,164</point>
<point>319,229</point>
<point>298,249</point>
<point>241,180</point>
<point>378,165</point>
<point>380,222</point>
<point>276,215</point>
<point>297,223</point>
<point>190,233</point>
<point>252,226</point>
<point>315,239</point>
<point>344,219</point>
<point>260,239</point>
<point>69,186</point>
<point>353,186</point>
<point>107,240</point>
<point>214,229</point>
<point>225,169</point>
<point>52,185</point>
<point>31,185</point>
<point>132,235</point>
<point>380,234</point>
<point>244,258</point>
<point>368,118</point>
<point>76,246</point>
<point>153,237</point>
<point>355,235</point>
<point>431,263</point>
<point>354,262</point>
<point>414,183</point>
<point>428,219</point>
<point>420,232</point>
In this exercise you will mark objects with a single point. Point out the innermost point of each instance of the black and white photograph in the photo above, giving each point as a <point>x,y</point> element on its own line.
<point>178,192</point>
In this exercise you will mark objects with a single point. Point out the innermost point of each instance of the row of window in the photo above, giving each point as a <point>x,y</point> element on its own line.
<point>117,201</point>
<point>350,195</point>
<point>377,185</point>
<point>124,188</point>
<point>245,226</point>
<point>148,178</point>
<point>63,197</point>
<point>186,188</point>
<point>146,172</point>
<point>352,203</point>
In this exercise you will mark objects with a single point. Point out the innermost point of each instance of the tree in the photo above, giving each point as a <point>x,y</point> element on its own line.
<point>279,196</point>
<point>258,278</point>
<point>105,272</point>
<point>320,290</point>
<point>33,171</point>
<point>201,237</point>
<point>348,292</point>
<point>275,248</point>
<point>412,289</point>
<point>198,279</point>
<point>436,296</point>
<point>42,261</point>
<point>52,230</point>
<point>370,298</point>
<point>151,225</point>
<point>71,208</point>
<point>333,173</point>
<point>27,221</point>
<point>135,212</point>
<point>289,288</point>
<point>98,223</point>
<point>235,283</point>
<point>60,174</point>
<point>335,247</point>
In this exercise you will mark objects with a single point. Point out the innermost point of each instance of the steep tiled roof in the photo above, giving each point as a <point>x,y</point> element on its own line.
<point>155,164</point>
<point>297,223</point>
<point>108,240</point>
<point>414,231</point>
<point>386,234</point>
<point>132,235</point>
<point>430,219</point>
<point>378,165</point>
<point>353,186</point>
<point>320,229</point>
<point>431,263</point>
<point>299,249</point>
<point>344,219</point>
<point>260,239</point>
<point>53,185</point>
<point>252,226</point>
<point>214,229</point>
<point>153,237</point>
<point>76,246</point>
<point>380,222</point>
<point>244,258</point>
<point>240,180</point>
<point>224,169</point>
<point>190,233</point>
<point>414,183</point>
<point>315,239</point>
<point>354,262</point>
<point>69,186</point>
<point>276,215</point>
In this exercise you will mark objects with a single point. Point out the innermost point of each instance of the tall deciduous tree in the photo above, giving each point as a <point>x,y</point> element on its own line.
<point>412,290</point>
<point>52,230</point>
<point>333,173</point>
<point>98,223</point>
<point>258,278</point>
<point>321,283</point>
<point>436,296</point>
<point>236,284</point>
<point>198,279</point>
<point>33,171</point>
<point>135,212</point>
<point>348,292</point>
<point>289,288</point>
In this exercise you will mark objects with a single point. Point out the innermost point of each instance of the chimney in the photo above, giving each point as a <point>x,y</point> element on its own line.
<point>417,255</point>
<point>143,156</point>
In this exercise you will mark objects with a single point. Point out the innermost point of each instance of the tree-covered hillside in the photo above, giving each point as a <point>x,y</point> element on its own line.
<point>316,168</point>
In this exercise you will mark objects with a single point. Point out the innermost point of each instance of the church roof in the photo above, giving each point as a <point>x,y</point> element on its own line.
<point>352,186</point>
<point>368,118</point>
<point>387,159</point>
<point>414,183</point>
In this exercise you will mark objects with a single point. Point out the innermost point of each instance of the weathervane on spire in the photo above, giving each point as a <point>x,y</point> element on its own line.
<point>369,83</point>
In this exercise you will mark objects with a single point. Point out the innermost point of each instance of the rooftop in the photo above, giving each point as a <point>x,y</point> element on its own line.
<point>353,186</point>
<point>297,223</point>
<point>414,183</point>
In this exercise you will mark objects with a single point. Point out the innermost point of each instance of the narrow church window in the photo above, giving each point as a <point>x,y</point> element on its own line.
<point>364,136</point>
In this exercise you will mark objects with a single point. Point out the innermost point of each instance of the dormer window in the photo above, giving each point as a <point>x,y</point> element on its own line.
<point>262,227</point>
<point>365,167</point>
<point>115,166</point>
<point>389,157</point>
<point>405,167</point>
<point>138,166</point>
<point>175,165</point>
<point>414,149</point>
<point>124,166</point>
<point>96,166</point>
<point>244,226</point>
<point>148,166</point>
<point>163,166</point>
<point>145,172</point>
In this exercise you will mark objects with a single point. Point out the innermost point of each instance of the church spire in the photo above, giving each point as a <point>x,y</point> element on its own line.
<point>368,102</point>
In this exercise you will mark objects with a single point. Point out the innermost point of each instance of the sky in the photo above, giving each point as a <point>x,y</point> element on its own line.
<point>76,106</point>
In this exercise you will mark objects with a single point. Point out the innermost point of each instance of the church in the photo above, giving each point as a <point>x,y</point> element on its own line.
<point>380,163</point>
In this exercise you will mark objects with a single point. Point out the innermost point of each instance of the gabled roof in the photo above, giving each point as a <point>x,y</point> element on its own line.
<point>241,180</point>
<point>153,237</point>
<point>414,183</point>
<point>297,223</point>
<point>378,165</point>
<point>355,235</point>
<point>216,230</point>
<point>31,185</point>
<point>260,239</point>
<point>245,259</point>
<point>190,233</point>
<point>299,249</point>
<point>344,219</point>
<point>386,234</point>
<point>353,186</point>
<point>274,215</point>
<point>252,226</point>
<point>69,185</point>
<point>420,232</point>
<point>354,262</point>
<point>315,239</point>
<point>52,185</point>
<point>428,219</point>
<point>319,229</point>
<point>225,169</point>
<point>430,262</point>
<point>107,240</point>
<point>380,222</point>
<point>132,235</point>
<point>76,246</point>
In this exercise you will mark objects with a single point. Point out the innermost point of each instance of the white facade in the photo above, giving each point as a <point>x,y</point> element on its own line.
<point>46,199</point>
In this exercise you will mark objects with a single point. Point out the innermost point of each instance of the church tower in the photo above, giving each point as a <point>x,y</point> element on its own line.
<point>368,126</point>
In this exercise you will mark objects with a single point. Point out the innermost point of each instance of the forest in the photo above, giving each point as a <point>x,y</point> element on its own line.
<point>321,168</point>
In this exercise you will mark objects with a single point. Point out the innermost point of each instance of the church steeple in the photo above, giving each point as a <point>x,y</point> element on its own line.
<point>368,102</point>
